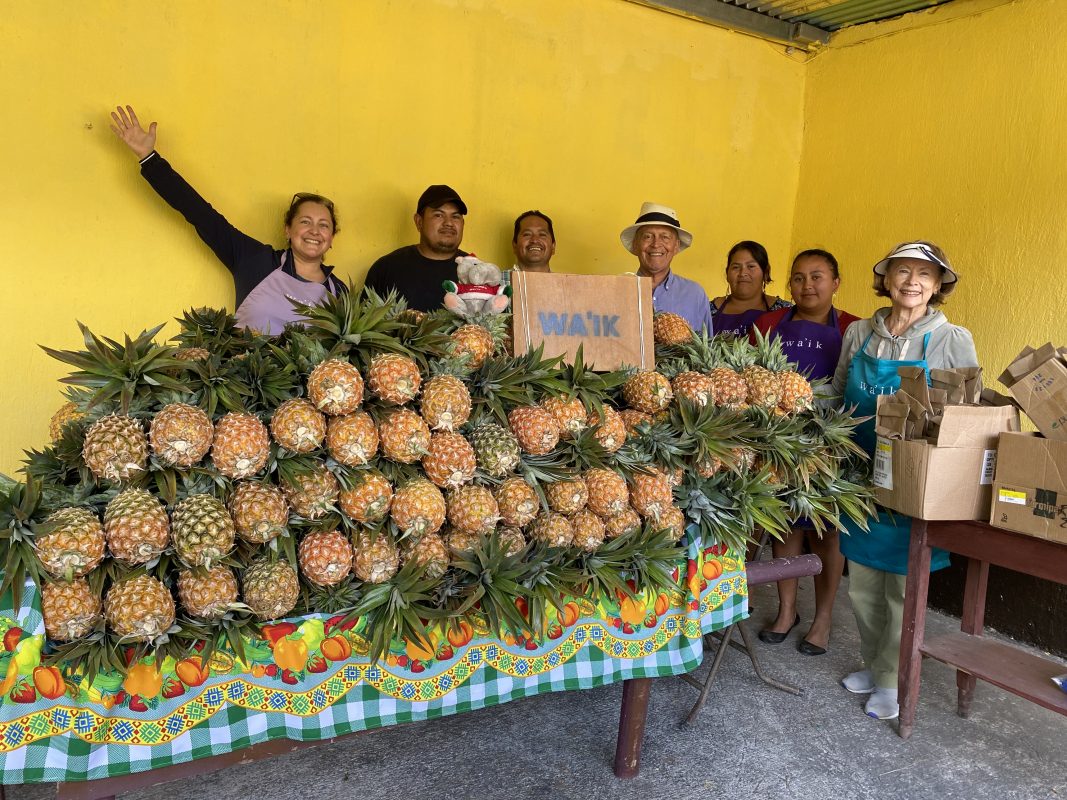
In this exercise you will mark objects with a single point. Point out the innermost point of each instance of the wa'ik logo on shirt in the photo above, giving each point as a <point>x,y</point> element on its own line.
<point>588,324</point>
<point>800,344</point>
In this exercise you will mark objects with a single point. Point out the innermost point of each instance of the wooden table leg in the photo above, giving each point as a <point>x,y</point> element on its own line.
<point>972,622</point>
<point>916,589</point>
<point>631,726</point>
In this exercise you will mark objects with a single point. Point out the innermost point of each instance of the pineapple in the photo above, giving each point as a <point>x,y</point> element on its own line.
<point>450,461</point>
<point>764,386</point>
<point>207,594</point>
<point>623,523</point>
<point>517,502</point>
<point>70,610</point>
<point>475,341</point>
<point>312,494</point>
<point>675,477</point>
<point>610,429</point>
<point>651,494</point>
<point>352,439</point>
<point>569,413</point>
<point>632,418</point>
<point>446,403</point>
<point>707,467</point>
<point>472,509</point>
<point>418,508</point>
<point>136,527</point>
<point>405,436</point>
<point>744,459</point>
<point>728,388</point>
<point>241,447</point>
<point>588,530</point>
<point>567,497</point>
<point>374,560</point>
<point>181,435</point>
<point>325,557</point>
<point>512,540</point>
<point>461,541</point>
<point>394,378</point>
<point>259,511</point>
<point>647,391</point>
<point>428,552</point>
<point>496,449</point>
<point>335,387</point>
<point>140,608</point>
<point>74,546</point>
<point>668,329</point>
<point>270,589</point>
<point>203,530</point>
<point>192,354</point>
<point>115,448</point>
<point>67,413</point>
<point>608,494</point>
<point>534,428</point>
<point>369,499</point>
<point>673,520</point>
<point>552,529</point>
<point>298,426</point>
<point>696,387</point>
<point>797,394</point>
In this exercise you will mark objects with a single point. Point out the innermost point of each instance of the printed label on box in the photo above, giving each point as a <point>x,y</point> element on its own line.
<point>1045,504</point>
<point>989,467</point>
<point>883,464</point>
<point>1012,496</point>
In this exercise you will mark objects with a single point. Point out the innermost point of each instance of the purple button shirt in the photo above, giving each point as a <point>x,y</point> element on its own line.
<point>685,298</point>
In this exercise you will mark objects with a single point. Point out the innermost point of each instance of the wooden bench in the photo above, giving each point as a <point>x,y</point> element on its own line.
<point>758,573</point>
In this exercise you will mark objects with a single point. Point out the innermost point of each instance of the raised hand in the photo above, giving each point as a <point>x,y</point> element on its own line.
<point>128,128</point>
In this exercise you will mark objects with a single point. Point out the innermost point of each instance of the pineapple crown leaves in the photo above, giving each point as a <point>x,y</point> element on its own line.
<point>504,382</point>
<point>20,515</point>
<point>296,349</point>
<point>651,557</point>
<point>217,386</point>
<point>486,575</point>
<point>337,599</point>
<point>210,328</point>
<point>270,380</point>
<point>397,609</point>
<point>729,507</point>
<point>95,654</point>
<point>587,385</point>
<point>361,320</point>
<point>122,371</point>
<point>429,337</point>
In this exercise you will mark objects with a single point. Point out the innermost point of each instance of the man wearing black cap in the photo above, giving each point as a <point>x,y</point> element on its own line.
<point>417,271</point>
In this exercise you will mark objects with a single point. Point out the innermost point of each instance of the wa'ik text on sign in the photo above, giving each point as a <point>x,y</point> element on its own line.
<point>588,324</point>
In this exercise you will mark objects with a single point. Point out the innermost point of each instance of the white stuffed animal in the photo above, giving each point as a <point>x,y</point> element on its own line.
<point>480,289</point>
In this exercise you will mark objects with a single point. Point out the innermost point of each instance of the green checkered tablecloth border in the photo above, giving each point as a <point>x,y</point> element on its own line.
<point>67,757</point>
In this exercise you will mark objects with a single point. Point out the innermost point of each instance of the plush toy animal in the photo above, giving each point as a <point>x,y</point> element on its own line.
<point>480,289</point>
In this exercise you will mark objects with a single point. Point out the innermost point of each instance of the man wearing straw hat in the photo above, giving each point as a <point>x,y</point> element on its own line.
<point>656,237</point>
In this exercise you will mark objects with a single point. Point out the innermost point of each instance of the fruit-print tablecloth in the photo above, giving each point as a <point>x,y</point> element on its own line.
<point>323,687</point>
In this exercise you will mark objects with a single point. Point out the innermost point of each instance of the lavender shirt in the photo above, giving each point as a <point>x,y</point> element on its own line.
<point>685,298</point>
<point>268,307</point>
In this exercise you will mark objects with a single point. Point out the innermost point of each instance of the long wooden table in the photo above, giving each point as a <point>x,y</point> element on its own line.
<point>975,657</point>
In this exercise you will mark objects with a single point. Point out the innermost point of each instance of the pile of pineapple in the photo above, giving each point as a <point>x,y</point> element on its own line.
<point>400,466</point>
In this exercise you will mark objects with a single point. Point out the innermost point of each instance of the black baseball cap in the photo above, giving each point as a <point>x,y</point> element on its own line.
<point>437,195</point>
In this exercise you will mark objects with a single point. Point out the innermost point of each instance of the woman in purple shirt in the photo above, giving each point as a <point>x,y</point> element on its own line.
<point>266,280</point>
<point>748,271</point>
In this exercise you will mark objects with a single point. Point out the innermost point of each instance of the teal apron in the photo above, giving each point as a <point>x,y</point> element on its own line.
<point>885,547</point>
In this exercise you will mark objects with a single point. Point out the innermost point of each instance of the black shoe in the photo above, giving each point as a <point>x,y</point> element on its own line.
<point>773,637</point>
<point>809,649</point>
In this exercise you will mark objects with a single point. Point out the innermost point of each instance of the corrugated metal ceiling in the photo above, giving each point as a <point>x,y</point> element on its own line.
<point>831,15</point>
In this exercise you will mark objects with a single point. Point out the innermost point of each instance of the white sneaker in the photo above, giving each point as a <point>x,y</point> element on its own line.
<point>861,682</point>
<point>883,704</point>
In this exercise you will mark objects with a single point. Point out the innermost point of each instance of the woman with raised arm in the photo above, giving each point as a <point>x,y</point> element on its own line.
<point>266,280</point>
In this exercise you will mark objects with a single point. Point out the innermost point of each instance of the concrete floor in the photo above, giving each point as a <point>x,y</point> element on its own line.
<point>751,741</point>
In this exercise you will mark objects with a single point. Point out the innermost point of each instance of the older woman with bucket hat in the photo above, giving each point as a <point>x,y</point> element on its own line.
<point>656,237</point>
<point>916,277</point>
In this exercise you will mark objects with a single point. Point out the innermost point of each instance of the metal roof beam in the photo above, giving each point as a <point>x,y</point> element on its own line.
<point>716,12</point>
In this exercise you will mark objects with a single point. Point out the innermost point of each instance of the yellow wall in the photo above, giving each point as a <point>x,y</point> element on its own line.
<point>949,125</point>
<point>581,109</point>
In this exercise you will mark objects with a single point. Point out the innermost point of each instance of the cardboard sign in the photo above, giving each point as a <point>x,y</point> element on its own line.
<point>609,315</point>
<point>1037,379</point>
<point>1030,491</point>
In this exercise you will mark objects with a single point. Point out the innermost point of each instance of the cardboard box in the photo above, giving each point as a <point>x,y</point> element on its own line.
<point>1030,491</point>
<point>609,315</point>
<point>949,473</point>
<point>1037,379</point>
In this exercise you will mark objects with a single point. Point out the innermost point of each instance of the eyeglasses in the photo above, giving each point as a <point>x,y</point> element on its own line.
<point>305,197</point>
